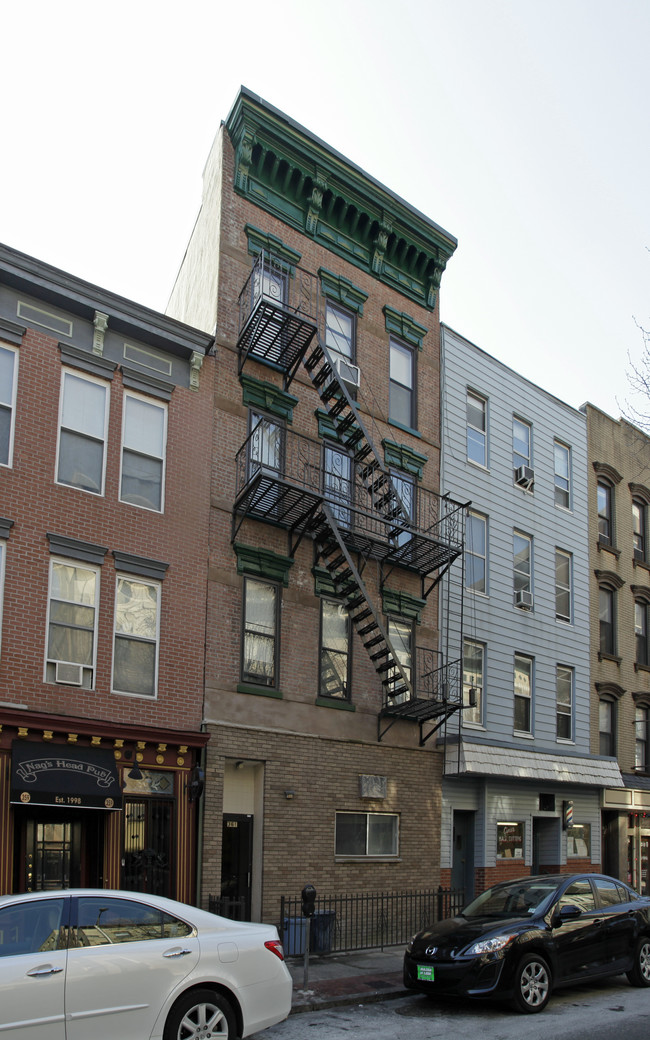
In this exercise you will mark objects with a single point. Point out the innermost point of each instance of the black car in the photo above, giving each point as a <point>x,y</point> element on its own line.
<point>521,939</point>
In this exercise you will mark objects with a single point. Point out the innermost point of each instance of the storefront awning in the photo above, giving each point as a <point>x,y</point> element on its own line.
<point>68,777</point>
<point>488,760</point>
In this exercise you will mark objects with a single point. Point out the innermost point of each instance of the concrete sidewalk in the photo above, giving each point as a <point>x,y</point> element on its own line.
<point>347,978</point>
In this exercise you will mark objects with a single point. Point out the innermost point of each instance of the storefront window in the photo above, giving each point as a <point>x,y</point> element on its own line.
<point>510,840</point>
<point>578,840</point>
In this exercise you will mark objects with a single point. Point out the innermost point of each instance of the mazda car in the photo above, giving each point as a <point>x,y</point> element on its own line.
<point>522,939</point>
<point>107,964</point>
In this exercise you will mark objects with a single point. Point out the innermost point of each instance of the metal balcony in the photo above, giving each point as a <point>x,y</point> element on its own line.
<point>437,694</point>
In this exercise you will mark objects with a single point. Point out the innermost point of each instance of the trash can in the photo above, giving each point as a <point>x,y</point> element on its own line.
<point>294,936</point>
<point>322,926</point>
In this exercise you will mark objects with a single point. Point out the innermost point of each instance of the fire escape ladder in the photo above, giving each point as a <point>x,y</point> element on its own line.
<point>349,584</point>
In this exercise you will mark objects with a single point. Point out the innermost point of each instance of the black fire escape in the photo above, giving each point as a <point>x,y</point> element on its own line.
<point>280,479</point>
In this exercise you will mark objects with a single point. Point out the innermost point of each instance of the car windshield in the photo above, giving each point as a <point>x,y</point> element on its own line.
<point>518,899</point>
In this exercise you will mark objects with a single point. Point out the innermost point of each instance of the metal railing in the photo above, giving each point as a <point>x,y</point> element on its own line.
<point>284,285</point>
<point>437,680</point>
<point>235,909</point>
<point>364,921</point>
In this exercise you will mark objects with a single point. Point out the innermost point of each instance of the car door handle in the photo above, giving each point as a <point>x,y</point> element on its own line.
<point>598,922</point>
<point>44,969</point>
<point>176,953</point>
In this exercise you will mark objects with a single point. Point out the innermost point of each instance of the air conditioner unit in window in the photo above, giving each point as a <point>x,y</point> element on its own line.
<point>525,477</point>
<point>524,598</point>
<point>69,674</point>
<point>347,372</point>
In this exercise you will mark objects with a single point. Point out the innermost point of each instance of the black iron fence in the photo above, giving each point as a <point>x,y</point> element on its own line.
<point>365,921</point>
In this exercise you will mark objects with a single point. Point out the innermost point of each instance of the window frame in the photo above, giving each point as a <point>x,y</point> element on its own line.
<point>82,377</point>
<point>641,724</point>
<point>474,515</point>
<point>125,576</point>
<point>605,511</point>
<point>369,817</point>
<point>349,315</point>
<point>393,620</point>
<point>345,695</point>
<point>3,564</point>
<point>639,530</point>
<point>250,678</point>
<point>10,405</point>
<point>641,629</point>
<point>338,496</point>
<point>162,459</point>
<point>526,460</point>
<point>480,434</point>
<point>410,352</point>
<point>560,479</point>
<point>473,680</point>
<point>525,582</point>
<point>50,662</point>
<point>608,734</point>
<point>563,709</point>
<point>608,642</point>
<point>564,589</point>
<point>522,697</point>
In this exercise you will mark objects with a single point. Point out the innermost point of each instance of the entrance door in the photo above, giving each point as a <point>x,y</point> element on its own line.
<point>546,838</point>
<point>462,864</point>
<point>236,866</point>
<point>59,849</point>
<point>148,846</point>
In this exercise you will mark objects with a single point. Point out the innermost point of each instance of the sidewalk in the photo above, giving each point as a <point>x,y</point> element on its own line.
<point>347,978</point>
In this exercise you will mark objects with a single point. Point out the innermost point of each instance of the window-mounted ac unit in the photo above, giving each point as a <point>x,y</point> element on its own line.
<point>347,372</point>
<point>524,598</point>
<point>69,674</point>
<point>525,477</point>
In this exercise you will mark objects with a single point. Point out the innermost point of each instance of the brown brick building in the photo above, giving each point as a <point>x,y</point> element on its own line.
<point>328,663</point>
<point>105,420</point>
<point>619,511</point>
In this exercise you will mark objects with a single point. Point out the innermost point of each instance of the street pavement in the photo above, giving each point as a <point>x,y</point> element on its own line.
<point>346,978</point>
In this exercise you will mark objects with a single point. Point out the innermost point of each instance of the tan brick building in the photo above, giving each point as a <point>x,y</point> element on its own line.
<point>619,507</point>
<point>105,413</point>
<point>328,664</point>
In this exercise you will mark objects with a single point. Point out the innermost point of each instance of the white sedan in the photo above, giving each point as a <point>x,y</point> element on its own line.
<point>108,964</point>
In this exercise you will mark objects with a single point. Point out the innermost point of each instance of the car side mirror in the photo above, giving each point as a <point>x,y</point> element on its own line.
<point>568,912</point>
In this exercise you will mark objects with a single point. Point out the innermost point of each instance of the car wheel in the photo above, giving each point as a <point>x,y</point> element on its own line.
<point>639,973</point>
<point>532,984</point>
<point>200,1013</point>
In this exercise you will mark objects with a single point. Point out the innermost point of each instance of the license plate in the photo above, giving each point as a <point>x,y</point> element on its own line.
<point>425,972</point>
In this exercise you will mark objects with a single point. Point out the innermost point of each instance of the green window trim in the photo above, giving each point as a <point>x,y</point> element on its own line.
<point>323,582</point>
<point>342,290</point>
<point>327,428</point>
<point>402,604</point>
<point>259,691</point>
<point>404,327</point>
<point>261,240</point>
<point>263,563</point>
<point>402,457</point>
<point>331,702</point>
<point>257,393</point>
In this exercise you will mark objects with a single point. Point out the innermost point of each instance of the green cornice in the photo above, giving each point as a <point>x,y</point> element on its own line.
<point>262,563</point>
<point>270,398</point>
<point>327,428</point>
<point>323,582</point>
<point>287,171</point>
<point>404,326</point>
<point>402,457</point>
<point>335,287</point>
<point>260,240</point>
<point>402,604</point>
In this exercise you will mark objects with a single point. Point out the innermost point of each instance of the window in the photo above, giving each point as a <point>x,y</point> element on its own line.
<point>400,634</point>
<point>144,437</point>
<point>102,921</point>
<point>562,466</point>
<point>476,553</point>
<point>3,549</point>
<point>564,702</point>
<point>580,894</point>
<point>337,480</point>
<point>259,662</point>
<point>8,381</point>
<point>367,834</point>
<point>72,624</point>
<point>473,672</point>
<point>605,493</point>
<point>406,492</point>
<point>339,331</point>
<point>82,433</point>
<point>30,927</point>
<point>607,617</point>
<point>578,843</point>
<point>521,442</point>
<point>523,693</point>
<point>476,429</point>
<point>607,727</point>
<point>642,734</point>
<point>510,840</point>
<point>639,528</point>
<point>641,611</point>
<point>563,585</point>
<point>401,403</point>
<point>137,624</point>
<point>334,650</point>
<point>522,569</point>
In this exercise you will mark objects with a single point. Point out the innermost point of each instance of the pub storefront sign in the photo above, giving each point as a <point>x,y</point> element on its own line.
<point>68,777</point>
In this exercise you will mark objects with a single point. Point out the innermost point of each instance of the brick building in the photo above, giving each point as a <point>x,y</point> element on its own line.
<point>329,670</point>
<point>619,558</point>
<point>105,421</point>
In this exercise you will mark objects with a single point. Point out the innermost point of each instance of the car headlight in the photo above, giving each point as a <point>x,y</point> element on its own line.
<point>493,945</point>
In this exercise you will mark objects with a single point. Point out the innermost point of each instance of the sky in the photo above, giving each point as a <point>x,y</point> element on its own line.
<point>519,126</point>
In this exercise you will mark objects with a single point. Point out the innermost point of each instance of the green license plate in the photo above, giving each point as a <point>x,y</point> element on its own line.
<point>425,972</point>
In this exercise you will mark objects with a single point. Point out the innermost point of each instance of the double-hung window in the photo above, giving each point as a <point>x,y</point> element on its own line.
<point>144,441</point>
<point>523,685</point>
<point>83,421</point>
<point>3,550</point>
<point>8,381</point>
<point>641,611</point>
<point>605,496</point>
<point>473,680</point>
<point>406,491</point>
<point>607,726</point>
<point>562,474</point>
<point>639,529</point>
<point>642,741</point>
<point>402,405</point>
<point>522,566</point>
<point>137,629</point>
<point>260,635</point>
<point>334,650</point>
<point>563,585</point>
<point>607,620</point>
<point>521,443</point>
<point>564,702</point>
<point>476,407</point>
<point>476,553</point>
<point>366,834</point>
<point>340,340</point>
<point>72,624</point>
<point>400,634</point>
<point>337,480</point>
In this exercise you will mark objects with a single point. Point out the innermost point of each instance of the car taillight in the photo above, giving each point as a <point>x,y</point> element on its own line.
<point>275,946</point>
